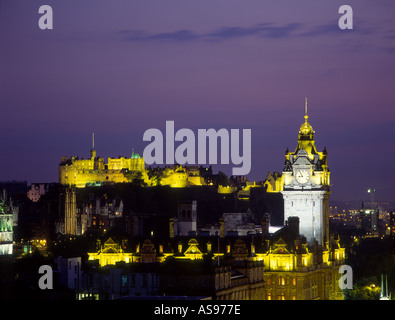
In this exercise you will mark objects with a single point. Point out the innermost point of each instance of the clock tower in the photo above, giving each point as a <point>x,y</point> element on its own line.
<point>306,186</point>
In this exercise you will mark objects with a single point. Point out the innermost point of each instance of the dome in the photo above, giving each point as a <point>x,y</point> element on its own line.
<point>306,131</point>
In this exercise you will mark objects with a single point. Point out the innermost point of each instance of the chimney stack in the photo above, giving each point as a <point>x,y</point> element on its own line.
<point>293,224</point>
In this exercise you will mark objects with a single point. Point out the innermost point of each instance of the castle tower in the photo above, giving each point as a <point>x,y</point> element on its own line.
<point>306,186</point>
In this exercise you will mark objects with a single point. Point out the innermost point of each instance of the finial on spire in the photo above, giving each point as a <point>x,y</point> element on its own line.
<point>305,110</point>
<point>93,140</point>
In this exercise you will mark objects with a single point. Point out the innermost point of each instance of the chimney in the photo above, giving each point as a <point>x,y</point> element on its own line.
<point>293,224</point>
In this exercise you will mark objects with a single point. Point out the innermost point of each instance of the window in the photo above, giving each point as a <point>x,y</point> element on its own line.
<point>124,280</point>
<point>294,281</point>
<point>145,280</point>
<point>269,296</point>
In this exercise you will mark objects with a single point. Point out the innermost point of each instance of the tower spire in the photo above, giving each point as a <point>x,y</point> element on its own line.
<point>305,110</point>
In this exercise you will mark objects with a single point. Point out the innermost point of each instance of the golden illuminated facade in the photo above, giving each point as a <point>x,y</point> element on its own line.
<point>295,272</point>
<point>265,267</point>
<point>177,176</point>
<point>313,171</point>
<point>94,171</point>
<point>110,253</point>
<point>274,182</point>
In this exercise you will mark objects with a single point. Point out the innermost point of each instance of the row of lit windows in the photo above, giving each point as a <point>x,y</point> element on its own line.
<point>281,281</point>
<point>281,296</point>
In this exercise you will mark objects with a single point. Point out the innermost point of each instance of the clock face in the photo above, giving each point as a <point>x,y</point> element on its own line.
<point>302,176</point>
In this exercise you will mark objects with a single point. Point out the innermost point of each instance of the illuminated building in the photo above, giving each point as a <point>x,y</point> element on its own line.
<point>94,171</point>
<point>293,270</point>
<point>7,212</point>
<point>110,253</point>
<point>274,182</point>
<point>392,224</point>
<point>304,184</point>
<point>102,214</point>
<point>280,266</point>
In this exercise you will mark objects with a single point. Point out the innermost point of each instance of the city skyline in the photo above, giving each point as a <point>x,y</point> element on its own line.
<point>119,69</point>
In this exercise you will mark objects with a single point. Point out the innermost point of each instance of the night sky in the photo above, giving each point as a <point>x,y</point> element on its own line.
<point>118,68</point>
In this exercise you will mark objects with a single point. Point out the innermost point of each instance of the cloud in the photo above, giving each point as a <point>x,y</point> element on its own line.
<point>332,28</point>
<point>235,32</point>
<point>267,30</point>
<point>263,30</point>
<point>282,32</point>
<point>177,36</point>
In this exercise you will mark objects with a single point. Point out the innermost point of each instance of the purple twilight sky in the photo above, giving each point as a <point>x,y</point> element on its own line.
<point>118,68</point>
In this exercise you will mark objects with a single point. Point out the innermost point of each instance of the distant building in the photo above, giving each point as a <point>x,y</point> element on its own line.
<point>79,173</point>
<point>7,214</point>
<point>14,187</point>
<point>186,218</point>
<point>120,281</point>
<point>280,266</point>
<point>392,224</point>
<point>37,190</point>
<point>110,253</point>
<point>102,213</point>
<point>70,272</point>
<point>94,171</point>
